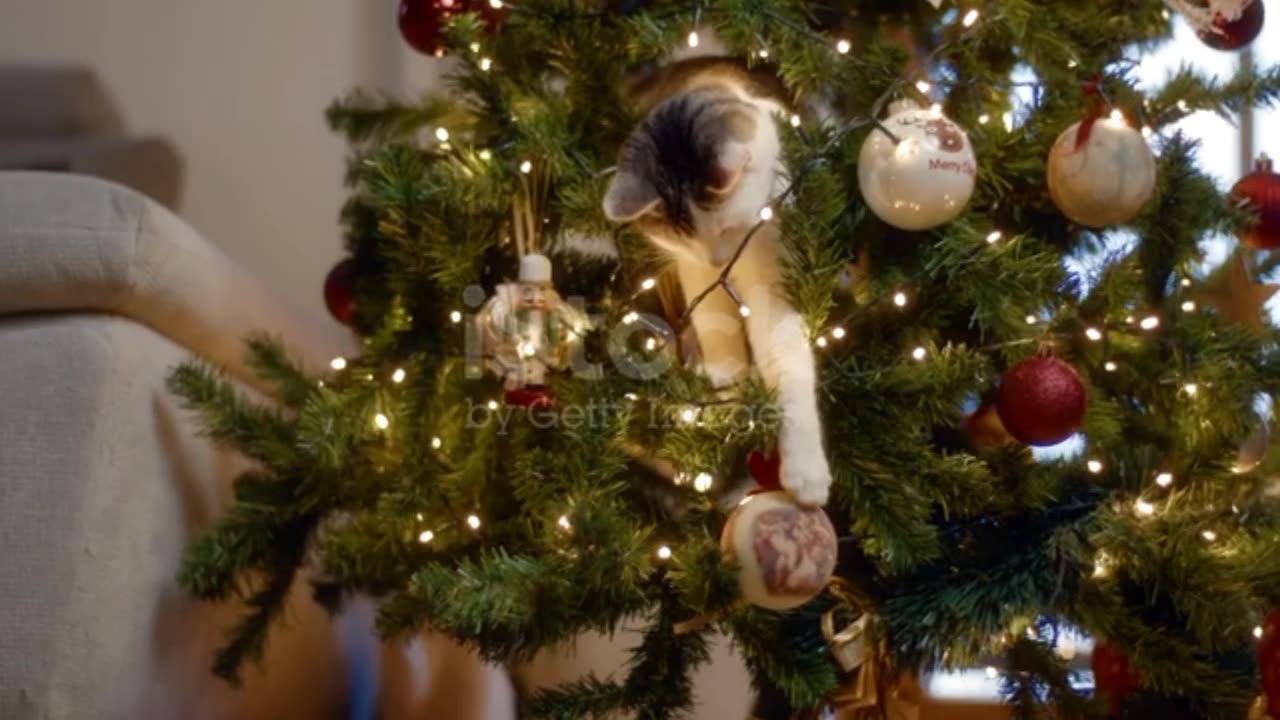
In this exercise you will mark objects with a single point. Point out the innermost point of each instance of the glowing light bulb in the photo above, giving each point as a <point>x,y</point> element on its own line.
<point>1189,306</point>
<point>486,154</point>
<point>338,363</point>
<point>398,376</point>
<point>689,415</point>
<point>970,18</point>
<point>664,553</point>
<point>436,443</point>
<point>1095,466</point>
<point>1147,132</point>
<point>648,284</point>
<point>843,46</point>
<point>564,523</point>
<point>426,536</point>
<point>992,673</point>
<point>1031,319</point>
<point>630,318</point>
<point>381,421</point>
<point>1008,122</point>
<point>821,342</point>
<point>455,317</point>
<point>1150,322</point>
<point>527,349</point>
<point>1117,117</point>
<point>442,134</point>
<point>994,237</point>
<point>795,121</point>
<point>919,353</point>
<point>923,86</point>
<point>473,522</point>
<point>764,53</point>
<point>493,405</point>
<point>983,119</point>
<point>1164,479</point>
<point>1209,535</point>
<point>838,333</point>
<point>702,482</point>
<point>526,167</point>
<point>744,311</point>
<point>1093,334</point>
<point>631,396</point>
<point>766,213</point>
<point>1142,507</point>
<point>1182,105</point>
<point>694,39</point>
<point>486,64</point>
<point>900,299</point>
<point>495,4</point>
<point>1101,565</point>
<point>1191,389</point>
<point>1257,632</point>
<point>1186,282</point>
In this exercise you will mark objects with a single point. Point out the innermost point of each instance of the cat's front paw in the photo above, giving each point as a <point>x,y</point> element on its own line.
<point>807,477</point>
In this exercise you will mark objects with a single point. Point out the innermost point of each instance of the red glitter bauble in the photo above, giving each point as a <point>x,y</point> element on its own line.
<point>1112,675</point>
<point>1042,401</point>
<point>423,22</point>
<point>1269,658</point>
<point>1260,190</point>
<point>1235,34</point>
<point>338,295</point>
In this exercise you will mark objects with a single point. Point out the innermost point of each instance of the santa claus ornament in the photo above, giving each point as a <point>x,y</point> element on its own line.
<point>918,171</point>
<point>785,552</point>
<point>1223,24</point>
<point>1042,401</point>
<point>1101,172</point>
<point>1259,191</point>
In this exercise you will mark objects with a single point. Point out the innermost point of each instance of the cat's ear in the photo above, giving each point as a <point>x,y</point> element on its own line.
<point>730,165</point>
<point>629,196</point>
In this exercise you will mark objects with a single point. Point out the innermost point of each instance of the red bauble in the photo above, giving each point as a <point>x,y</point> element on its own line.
<point>422,22</point>
<point>530,397</point>
<point>1260,190</point>
<point>1235,34</point>
<point>338,296</point>
<point>1112,675</point>
<point>1042,401</point>
<point>1269,658</point>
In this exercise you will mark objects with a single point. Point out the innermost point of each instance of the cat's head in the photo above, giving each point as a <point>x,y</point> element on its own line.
<point>699,165</point>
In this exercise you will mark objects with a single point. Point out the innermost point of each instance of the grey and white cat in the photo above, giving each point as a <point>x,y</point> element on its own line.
<point>694,177</point>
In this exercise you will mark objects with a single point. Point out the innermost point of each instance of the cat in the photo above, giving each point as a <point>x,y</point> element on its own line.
<point>694,177</point>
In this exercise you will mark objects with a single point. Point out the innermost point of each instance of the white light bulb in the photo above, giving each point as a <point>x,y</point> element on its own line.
<point>1142,507</point>
<point>527,349</point>
<point>1191,389</point>
<point>1150,322</point>
<point>820,342</point>
<point>631,396</point>
<point>1186,282</point>
<point>1095,466</point>
<point>475,46</point>
<point>689,415</point>
<point>1189,306</point>
<point>1008,122</point>
<point>1093,334</point>
<point>493,405</point>
<point>992,673</point>
<point>1182,105</point>
<point>651,344</point>
<point>1147,132</point>
<point>485,154</point>
<point>442,134</point>
<point>919,353</point>
<point>983,119</point>
<point>994,237</point>
<point>564,523</point>
<point>630,318</point>
<point>398,376</point>
<point>1110,366</point>
<point>970,18</point>
<point>381,421</point>
<point>473,522</point>
<point>923,86</point>
<point>843,46</point>
<point>426,536</point>
<point>702,482</point>
<point>1257,632</point>
<point>495,4</point>
<point>1164,479</point>
<point>900,299</point>
<point>744,311</point>
<point>1209,535</point>
<point>1072,63</point>
<point>648,284</point>
<point>338,363</point>
<point>455,317</point>
<point>1031,319</point>
<point>766,213</point>
<point>764,53</point>
<point>486,64</point>
<point>694,39</point>
<point>664,553</point>
<point>526,167</point>
<point>1117,117</point>
<point>838,333</point>
<point>795,121</point>
<point>436,443</point>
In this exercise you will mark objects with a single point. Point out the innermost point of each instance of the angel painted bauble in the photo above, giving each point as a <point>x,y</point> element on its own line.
<point>1042,401</point>
<point>1260,192</point>
<point>1231,24</point>
<point>527,329</point>
<point>923,175</point>
<point>1102,172</point>
<point>785,552</point>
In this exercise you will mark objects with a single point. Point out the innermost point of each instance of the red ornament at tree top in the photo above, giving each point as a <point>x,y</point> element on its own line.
<point>422,22</point>
<point>1260,191</point>
<point>338,295</point>
<point>1042,401</point>
<point>1234,24</point>
<point>1112,675</point>
<point>1269,659</point>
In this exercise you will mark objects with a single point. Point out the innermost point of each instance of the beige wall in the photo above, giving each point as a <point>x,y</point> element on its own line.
<point>240,86</point>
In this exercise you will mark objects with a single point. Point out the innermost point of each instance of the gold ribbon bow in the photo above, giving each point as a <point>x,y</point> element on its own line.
<point>871,691</point>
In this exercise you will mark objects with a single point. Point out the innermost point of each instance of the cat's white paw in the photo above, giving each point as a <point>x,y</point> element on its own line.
<point>806,476</point>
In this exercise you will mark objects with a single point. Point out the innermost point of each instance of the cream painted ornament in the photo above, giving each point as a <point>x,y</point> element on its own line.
<point>922,175</point>
<point>1101,172</point>
<point>785,552</point>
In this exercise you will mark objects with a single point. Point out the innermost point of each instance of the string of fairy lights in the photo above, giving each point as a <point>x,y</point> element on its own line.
<point>1147,504</point>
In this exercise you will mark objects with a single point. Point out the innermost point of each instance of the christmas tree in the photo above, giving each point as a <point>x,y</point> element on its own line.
<point>528,446</point>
